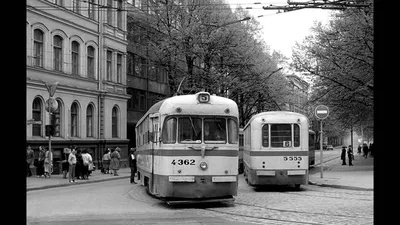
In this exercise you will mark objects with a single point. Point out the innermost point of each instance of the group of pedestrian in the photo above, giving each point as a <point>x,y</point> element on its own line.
<point>43,163</point>
<point>111,161</point>
<point>350,155</point>
<point>365,149</point>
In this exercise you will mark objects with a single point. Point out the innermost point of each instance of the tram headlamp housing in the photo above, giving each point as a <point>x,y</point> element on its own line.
<point>203,165</point>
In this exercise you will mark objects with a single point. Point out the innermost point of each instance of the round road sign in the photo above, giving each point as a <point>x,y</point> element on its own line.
<point>321,112</point>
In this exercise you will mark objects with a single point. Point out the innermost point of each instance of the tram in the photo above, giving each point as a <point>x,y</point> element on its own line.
<point>187,149</point>
<point>241,139</point>
<point>276,149</point>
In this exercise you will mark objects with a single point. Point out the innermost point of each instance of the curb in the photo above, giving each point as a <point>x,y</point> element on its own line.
<point>77,183</point>
<point>341,186</point>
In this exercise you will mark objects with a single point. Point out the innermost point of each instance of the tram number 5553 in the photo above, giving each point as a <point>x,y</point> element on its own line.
<point>292,158</point>
<point>183,162</point>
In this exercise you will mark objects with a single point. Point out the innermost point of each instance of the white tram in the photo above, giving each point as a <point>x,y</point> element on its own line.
<point>276,149</point>
<point>187,149</point>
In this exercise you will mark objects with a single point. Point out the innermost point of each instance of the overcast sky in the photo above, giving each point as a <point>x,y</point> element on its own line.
<point>282,30</point>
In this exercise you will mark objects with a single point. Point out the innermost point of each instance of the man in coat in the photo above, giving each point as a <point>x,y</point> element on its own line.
<point>29,160</point>
<point>132,164</point>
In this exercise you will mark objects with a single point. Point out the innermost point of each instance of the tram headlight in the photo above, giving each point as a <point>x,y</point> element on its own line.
<point>203,165</point>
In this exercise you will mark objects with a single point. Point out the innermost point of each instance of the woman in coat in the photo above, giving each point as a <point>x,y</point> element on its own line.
<point>48,163</point>
<point>343,155</point>
<point>114,163</point>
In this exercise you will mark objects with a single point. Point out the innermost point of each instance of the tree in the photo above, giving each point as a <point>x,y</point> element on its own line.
<point>340,58</point>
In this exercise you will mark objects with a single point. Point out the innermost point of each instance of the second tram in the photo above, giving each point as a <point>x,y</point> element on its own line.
<point>187,149</point>
<point>276,149</point>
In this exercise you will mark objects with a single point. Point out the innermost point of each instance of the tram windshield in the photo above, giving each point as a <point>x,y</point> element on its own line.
<point>193,129</point>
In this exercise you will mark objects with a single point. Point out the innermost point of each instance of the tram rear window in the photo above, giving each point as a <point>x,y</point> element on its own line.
<point>281,135</point>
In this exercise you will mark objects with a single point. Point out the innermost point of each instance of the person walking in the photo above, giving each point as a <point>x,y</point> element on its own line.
<point>40,168</point>
<point>132,164</point>
<point>365,150</point>
<point>359,150</point>
<point>87,159</point>
<point>79,164</point>
<point>343,155</point>
<point>114,163</point>
<point>350,155</point>
<point>72,165</point>
<point>48,163</point>
<point>64,163</point>
<point>106,162</point>
<point>29,161</point>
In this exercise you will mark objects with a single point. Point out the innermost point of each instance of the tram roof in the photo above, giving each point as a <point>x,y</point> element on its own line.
<point>188,102</point>
<point>285,114</point>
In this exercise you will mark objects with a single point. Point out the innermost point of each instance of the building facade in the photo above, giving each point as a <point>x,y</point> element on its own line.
<point>82,47</point>
<point>298,99</point>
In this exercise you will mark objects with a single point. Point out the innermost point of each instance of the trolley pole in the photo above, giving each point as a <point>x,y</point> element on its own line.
<point>321,112</point>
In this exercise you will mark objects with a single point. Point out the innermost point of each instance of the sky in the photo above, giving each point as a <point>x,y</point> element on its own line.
<point>282,30</point>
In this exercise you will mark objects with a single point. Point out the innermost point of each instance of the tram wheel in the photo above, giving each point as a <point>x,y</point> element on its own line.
<point>297,186</point>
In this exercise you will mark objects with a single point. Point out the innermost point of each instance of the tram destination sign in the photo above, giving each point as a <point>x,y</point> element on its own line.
<point>321,112</point>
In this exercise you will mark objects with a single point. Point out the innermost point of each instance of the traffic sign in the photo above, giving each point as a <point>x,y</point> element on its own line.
<point>32,121</point>
<point>321,112</point>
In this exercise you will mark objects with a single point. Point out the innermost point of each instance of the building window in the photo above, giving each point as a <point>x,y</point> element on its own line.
<point>58,57</point>
<point>38,48</point>
<point>91,9</point>
<point>119,68</point>
<point>139,100</point>
<point>130,63</point>
<point>114,122</point>
<point>119,14</point>
<point>89,121</point>
<point>75,6</point>
<point>130,92</point>
<point>37,116</point>
<point>109,12</point>
<point>109,65</point>
<point>74,120</point>
<point>57,120</point>
<point>75,57</point>
<point>90,62</point>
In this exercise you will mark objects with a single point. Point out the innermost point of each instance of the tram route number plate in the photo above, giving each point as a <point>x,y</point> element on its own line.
<point>292,158</point>
<point>186,162</point>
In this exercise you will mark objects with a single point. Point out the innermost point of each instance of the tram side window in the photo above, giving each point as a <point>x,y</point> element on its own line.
<point>169,131</point>
<point>215,130</point>
<point>233,132</point>
<point>281,135</point>
<point>189,129</point>
<point>296,133</point>
<point>265,136</point>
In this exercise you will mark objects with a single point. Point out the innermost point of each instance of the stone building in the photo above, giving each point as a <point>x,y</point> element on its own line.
<point>83,47</point>
<point>299,98</point>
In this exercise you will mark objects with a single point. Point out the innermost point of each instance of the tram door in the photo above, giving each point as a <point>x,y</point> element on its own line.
<point>153,137</point>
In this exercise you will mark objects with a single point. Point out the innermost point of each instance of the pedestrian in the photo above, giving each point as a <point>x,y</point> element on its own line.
<point>365,150</point>
<point>64,162</point>
<point>350,155</point>
<point>370,149</point>
<point>106,161</point>
<point>359,150</point>
<point>40,167</point>
<point>72,165</point>
<point>87,159</point>
<point>114,163</point>
<point>29,161</point>
<point>79,164</point>
<point>132,164</point>
<point>343,155</point>
<point>48,163</point>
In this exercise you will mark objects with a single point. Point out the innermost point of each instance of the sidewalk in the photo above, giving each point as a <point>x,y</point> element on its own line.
<point>357,177</point>
<point>56,180</point>
<point>360,176</point>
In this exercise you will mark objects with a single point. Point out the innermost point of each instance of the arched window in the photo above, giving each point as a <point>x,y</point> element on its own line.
<point>38,48</point>
<point>37,116</point>
<point>90,62</point>
<point>75,57</point>
<point>58,55</point>
<point>56,117</point>
<point>114,122</point>
<point>74,120</point>
<point>89,121</point>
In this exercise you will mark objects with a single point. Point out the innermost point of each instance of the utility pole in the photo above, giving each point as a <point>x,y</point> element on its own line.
<point>51,106</point>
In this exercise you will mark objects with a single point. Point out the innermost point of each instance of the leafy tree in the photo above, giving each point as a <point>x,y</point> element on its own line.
<point>340,58</point>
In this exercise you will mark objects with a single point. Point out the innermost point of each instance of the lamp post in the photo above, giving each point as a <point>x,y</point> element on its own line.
<point>51,106</point>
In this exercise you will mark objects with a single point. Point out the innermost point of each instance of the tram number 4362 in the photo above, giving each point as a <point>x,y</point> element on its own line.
<point>183,162</point>
<point>292,158</point>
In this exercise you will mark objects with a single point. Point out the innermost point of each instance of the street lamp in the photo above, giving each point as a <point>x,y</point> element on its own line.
<point>51,106</point>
